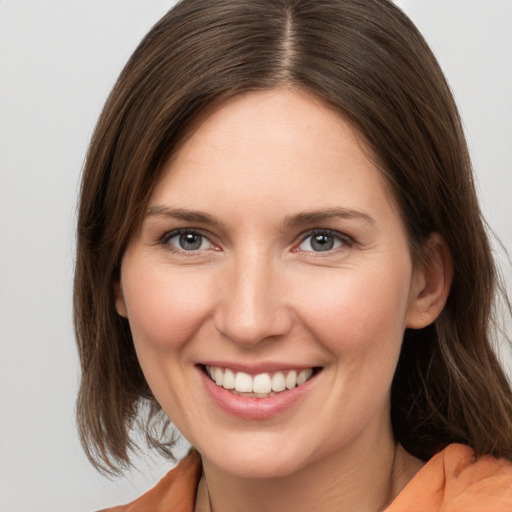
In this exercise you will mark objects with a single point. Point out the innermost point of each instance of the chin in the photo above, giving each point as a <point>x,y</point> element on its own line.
<point>259,458</point>
<point>259,467</point>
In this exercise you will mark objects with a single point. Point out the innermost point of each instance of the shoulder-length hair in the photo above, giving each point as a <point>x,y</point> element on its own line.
<point>367,60</point>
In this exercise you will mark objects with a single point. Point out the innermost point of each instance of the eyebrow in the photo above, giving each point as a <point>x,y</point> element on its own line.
<point>310,217</point>
<point>307,217</point>
<point>183,214</point>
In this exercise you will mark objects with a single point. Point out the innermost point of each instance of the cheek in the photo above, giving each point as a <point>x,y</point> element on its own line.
<point>353,311</point>
<point>165,311</point>
<point>166,308</point>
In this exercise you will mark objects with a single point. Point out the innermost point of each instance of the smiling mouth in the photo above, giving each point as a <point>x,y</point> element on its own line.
<point>262,385</point>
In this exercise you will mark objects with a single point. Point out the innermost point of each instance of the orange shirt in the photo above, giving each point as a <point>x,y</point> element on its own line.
<point>452,481</point>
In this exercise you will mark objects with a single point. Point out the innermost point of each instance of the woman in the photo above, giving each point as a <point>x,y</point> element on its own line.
<point>280,247</point>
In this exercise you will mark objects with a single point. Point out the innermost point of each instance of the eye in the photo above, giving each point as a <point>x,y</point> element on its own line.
<point>187,240</point>
<point>323,241</point>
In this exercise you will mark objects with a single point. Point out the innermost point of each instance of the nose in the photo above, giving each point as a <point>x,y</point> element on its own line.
<point>252,307</point>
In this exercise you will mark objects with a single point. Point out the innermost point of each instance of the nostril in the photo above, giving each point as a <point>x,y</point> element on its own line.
<point>253,328</point>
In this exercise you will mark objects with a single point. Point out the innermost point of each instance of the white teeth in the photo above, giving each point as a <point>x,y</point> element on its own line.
<point>278,382</point>
<point>291,379</point>
<point>262,385</point>
<point>243,382</point>
<point>229,380</point>
<point>218,376</point>
<point>303,376</point>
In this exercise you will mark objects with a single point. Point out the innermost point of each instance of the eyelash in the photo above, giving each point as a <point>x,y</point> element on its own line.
<point>343,240</point>
<point>167,237</point>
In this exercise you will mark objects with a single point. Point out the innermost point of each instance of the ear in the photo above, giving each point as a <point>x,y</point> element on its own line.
<point>431,283</point>
<point>119,299</point>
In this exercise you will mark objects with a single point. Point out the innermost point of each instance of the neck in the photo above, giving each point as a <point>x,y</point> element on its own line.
<point>363,478</point>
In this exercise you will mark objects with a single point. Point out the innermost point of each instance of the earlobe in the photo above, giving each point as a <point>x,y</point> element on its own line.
<point>119,299</point>
<point>431,283</point>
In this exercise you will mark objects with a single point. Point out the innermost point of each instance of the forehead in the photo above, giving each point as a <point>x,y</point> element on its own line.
<point>279,143</point>
<point>268,155</point>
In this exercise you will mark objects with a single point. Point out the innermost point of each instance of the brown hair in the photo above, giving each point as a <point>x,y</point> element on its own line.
<point>369,62</point>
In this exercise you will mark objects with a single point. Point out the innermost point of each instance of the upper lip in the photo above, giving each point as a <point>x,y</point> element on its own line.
<point>257,368</point>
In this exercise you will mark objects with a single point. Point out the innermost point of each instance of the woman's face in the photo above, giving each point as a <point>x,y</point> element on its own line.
<point>271,252</point>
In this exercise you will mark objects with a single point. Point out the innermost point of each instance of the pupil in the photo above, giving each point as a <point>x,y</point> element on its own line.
<point>190,241</point>
<point>322,242</point>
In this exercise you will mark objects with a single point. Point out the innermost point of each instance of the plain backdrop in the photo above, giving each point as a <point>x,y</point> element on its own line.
<point>58,61</point>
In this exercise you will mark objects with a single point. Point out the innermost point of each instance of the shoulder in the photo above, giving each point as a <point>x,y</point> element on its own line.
<point>176,491</point>
<point>455,479</point>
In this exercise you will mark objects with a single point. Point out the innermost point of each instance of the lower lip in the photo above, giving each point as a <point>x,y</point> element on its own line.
<point>250,408</point>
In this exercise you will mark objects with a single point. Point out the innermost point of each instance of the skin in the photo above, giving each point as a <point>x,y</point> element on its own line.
<point>256,291</point>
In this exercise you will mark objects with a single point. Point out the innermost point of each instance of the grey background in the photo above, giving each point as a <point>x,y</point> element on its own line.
<point>58,60</point>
